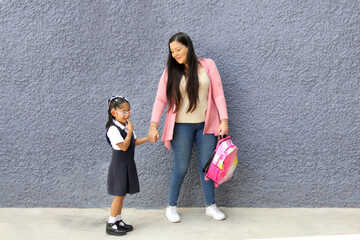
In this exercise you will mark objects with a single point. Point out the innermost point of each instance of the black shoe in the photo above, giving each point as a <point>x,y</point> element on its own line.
<point>117,231</point>
<point>122,225</point>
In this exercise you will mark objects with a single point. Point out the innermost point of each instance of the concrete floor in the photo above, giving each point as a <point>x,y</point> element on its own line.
<point>241,224</point>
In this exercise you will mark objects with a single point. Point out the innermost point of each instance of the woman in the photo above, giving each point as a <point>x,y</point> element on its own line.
<point>196,113</point>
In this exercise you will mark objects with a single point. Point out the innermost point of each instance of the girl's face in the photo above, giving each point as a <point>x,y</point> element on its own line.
<point>122,114</point>
<point>179,52</point>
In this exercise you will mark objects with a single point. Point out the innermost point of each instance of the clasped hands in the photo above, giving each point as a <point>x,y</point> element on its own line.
<point>153,135</point>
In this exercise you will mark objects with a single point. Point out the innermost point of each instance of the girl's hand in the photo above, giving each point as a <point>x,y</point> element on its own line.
<point>129,126</point>
<point>223,128</point>
<point>153,135</point>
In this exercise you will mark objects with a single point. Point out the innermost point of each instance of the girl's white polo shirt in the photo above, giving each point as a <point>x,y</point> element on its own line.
<point>115,136</point>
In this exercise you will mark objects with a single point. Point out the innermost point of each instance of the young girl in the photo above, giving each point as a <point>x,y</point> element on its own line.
<point>122,176</point>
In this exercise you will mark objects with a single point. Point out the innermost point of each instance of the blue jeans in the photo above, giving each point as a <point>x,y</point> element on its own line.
<point>184,137</point>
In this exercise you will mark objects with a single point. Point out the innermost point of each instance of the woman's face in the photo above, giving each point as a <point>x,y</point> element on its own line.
<point>179,52</point>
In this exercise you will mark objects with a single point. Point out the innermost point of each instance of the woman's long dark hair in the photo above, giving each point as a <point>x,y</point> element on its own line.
<point>114,103</point>
<point>176,71</point>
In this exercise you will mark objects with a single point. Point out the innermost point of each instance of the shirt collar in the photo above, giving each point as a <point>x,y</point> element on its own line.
<point>119,124</point>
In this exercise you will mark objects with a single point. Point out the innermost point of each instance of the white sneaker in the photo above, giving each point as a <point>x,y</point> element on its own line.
<point>172,214</point>
<point>214,212</point>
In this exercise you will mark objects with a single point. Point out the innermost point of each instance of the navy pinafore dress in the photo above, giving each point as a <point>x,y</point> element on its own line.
<point>122,175</point>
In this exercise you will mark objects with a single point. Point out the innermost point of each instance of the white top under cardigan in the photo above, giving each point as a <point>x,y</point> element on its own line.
<point>198,115</point>
<point>115,136</point>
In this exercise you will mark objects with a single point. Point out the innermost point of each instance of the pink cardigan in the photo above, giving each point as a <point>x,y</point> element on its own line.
<point>216,108</point>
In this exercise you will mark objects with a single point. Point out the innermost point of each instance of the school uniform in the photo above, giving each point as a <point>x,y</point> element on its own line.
<point>122,175</point>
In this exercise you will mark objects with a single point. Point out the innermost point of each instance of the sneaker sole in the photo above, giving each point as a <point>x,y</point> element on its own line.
<point>173,221</point>
<point>218,219</point>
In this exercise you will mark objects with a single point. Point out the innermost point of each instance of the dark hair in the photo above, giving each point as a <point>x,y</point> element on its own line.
<point>176,71</point>
<point>113,103</point>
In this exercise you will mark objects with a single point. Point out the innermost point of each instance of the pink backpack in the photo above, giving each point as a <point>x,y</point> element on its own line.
<point>222,162</point>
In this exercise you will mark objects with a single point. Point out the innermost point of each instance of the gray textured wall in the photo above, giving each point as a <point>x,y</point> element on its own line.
<point>290,73</point>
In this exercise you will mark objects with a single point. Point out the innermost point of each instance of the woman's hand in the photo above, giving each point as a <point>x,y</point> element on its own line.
<point>223,128</point>
<point>153,134</point>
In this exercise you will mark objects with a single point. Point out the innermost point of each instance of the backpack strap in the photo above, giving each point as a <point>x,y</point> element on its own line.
<point>221,140</point>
